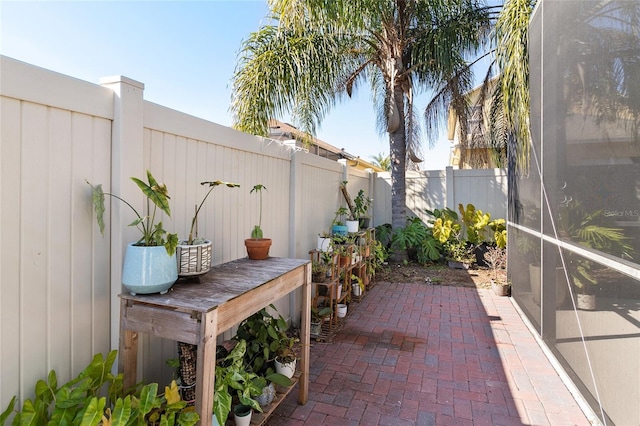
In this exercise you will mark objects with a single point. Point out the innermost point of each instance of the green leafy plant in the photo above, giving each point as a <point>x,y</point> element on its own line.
<point>318,315</point>
<point>378,257</point>
<point>257,229</point>
<point>318,270</point>
<point>339,218</point>
<point>318,267</point>
<point>233,379</point>
<point>458,250</point>
<point>342,244</point>
<point>152,234</point>
<point>499,228</point>
<point>475,221</point>
<point>384,234</point>
<point>191,240</point>
<point>590,230</point>
<point>418,240</point>
<point>267,339</point>
<point>361,205</point>
<point>357,280</point>
<point>79,402</point>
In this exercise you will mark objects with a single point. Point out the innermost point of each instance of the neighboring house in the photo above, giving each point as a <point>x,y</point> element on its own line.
<point>289,135</point>
<point>476,153</point>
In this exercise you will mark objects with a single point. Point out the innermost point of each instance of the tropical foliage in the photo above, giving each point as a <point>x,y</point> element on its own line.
<point>79,401</point>
<point>153,234</point>
<point>382,161</point>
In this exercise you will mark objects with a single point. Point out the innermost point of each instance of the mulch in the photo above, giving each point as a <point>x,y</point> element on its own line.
<point>474,277</point>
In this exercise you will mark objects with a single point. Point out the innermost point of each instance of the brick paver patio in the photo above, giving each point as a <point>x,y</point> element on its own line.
<point>414,354</point>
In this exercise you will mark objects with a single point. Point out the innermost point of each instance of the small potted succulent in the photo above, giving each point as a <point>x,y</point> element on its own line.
<point>194,254</point>
<point>149,264</point>
<point>258,246</point>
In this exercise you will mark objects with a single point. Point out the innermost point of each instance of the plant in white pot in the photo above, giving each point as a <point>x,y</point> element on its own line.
<point>194,254</point>
<point>258,246</point>
<point>318,315</point>
<point>149,263</point>
<point>232,381</point>
<point>357,285</point>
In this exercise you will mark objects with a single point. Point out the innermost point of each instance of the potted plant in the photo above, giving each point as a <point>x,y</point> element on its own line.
<point>338,225</point>
<point>82,400</point>
<point>357,285</point>
<point>343,246</point>
<point>378,258</point>
<point>285,360</point>
<point>593,231</point>
<point>361,205</point>
<point>458,252</point>
<point>233,380</point>
<point>317,317</point>
<point>318,271</point>
<point>268,339</point>
<point>194,254</point>
<point>324,241</point>
<point>257,246</point>
<point>496,258</point>
<point>149,263</point>
<point>476,226</point>
<point>242,414</point>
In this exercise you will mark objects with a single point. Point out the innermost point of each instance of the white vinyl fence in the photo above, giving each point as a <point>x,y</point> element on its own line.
<point>486,189</point>
<point>60,279</point>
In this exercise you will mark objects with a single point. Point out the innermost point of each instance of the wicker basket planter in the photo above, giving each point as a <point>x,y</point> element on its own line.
<point>193,259</point>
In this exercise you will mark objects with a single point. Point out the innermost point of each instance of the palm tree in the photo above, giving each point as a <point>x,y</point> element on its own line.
<point>316,52</point>
<point>383,161</point>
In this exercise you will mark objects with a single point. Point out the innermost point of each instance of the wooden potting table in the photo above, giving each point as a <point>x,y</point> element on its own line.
<point>196,313</point>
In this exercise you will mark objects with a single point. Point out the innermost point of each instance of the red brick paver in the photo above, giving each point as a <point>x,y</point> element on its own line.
<point>413,354</point>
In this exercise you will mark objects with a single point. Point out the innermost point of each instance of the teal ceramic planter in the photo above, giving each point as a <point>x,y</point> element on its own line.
<point>148,270</point>
<point>339,230</point>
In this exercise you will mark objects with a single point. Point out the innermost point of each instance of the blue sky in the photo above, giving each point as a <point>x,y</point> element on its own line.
<point>183,51</point>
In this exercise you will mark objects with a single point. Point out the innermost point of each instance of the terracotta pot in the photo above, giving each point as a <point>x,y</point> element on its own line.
<point>499,289</point>
<point>258,248</point>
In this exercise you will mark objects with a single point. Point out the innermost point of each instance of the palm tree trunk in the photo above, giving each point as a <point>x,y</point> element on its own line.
<point>398,154</point>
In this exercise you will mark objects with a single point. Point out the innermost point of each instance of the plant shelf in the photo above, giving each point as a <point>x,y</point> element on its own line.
<point>281,394</point>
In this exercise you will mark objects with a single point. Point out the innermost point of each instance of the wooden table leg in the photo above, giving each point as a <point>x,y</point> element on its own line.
<point>206,367</point>
<point>128,359</point>
<point>305,335</point>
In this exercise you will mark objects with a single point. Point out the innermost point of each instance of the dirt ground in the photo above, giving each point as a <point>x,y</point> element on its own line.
<point>478,277</point>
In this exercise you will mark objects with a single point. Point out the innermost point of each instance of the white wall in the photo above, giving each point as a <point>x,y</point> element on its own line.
<point>486,189</point>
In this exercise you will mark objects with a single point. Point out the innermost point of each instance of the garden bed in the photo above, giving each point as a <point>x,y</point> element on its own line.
<point>475,277</point>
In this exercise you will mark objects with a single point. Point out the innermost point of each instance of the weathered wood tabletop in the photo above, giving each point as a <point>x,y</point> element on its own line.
<point>196,313</point>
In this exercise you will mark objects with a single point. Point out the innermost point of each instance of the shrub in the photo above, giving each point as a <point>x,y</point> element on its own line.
<point>79,401</point>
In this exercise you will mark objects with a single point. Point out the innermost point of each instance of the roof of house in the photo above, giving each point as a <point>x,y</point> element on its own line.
<point>286,133</point>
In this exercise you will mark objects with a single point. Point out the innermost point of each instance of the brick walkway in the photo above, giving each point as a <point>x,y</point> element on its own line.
<point>412,354</point>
